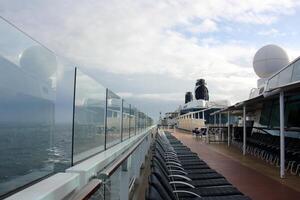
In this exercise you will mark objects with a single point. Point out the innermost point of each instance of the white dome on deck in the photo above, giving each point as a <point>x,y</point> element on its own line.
<point>268,60</point>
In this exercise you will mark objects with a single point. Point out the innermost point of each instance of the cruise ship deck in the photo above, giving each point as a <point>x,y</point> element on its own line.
<point>83,91</point>
<point>250,175</point>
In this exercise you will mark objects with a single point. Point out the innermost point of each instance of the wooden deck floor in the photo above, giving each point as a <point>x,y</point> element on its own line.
<point>250,175</point>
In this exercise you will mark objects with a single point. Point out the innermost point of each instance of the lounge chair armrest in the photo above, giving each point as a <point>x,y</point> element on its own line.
<point>176,170</point>
<point>187,192</point>
<point>183,183</point>
<point>174,163</point>
<point>175,167</point>
<point>180,176</point>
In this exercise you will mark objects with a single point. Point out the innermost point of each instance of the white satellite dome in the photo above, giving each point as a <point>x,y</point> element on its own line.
<point>268,60</point>
<point>39,61</point>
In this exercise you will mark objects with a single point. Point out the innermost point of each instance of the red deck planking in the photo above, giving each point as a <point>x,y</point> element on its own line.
<point>249,181</point>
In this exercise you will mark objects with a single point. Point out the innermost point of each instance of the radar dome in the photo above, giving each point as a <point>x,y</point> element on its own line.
<point>268,60</point>
<point>39,61</point>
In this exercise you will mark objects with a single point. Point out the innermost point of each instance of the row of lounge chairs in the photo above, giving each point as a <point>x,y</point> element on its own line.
<point>267,147</point>
<point>178,173</point>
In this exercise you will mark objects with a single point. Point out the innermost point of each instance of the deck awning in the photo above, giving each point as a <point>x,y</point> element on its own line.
<point>256,102</point>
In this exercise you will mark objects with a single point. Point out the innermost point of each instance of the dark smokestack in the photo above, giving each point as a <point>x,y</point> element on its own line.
<point>201,91</point>
<point>188,97</point>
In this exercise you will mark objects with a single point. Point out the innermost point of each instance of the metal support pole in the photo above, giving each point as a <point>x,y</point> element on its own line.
<point>282,146</point>
<point>203,115</point>
<point>244,130</point>
<point>228,136</point>
<point>105,119</point>
<point>233,138</point>
<point>121,122</point>
<point>220,130</point>
<point>130,120</point>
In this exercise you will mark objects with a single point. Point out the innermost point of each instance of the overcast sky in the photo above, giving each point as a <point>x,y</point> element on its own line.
<point>152,51</point>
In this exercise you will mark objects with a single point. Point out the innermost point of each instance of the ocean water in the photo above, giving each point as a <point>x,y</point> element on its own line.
<point>31,151</point>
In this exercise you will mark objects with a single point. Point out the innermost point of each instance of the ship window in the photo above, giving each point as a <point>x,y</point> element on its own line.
<point>285,76</point>
<point>293,114</point>
<point>292,111</point>
<point>296,72</point>
<point>275,116</point>
<point>265,113</point>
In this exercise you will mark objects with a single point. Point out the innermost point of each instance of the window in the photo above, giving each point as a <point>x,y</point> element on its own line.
<point>275,115</point>
<point>292,111</point>
<point>265,113</point>
<point>273,82</point>
<point>293,114</point>
<point>285,76</point>
<point>270,115</point>
<point>296,71</point>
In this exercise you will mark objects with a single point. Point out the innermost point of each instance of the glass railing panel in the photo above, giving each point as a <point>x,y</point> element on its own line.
<point>35,139</point>
<point>126,120</point>
<point>132,121</point>
<point>142,121</point>
<point>138,126</point>
<point>296,71</point>
<point>285,76</point>
<point>89,117</point>
<point>113,130</point>
<point>60,153</point>
<point>273,82</point>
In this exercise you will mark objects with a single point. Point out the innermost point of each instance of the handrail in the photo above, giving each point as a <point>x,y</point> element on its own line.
<point>87,191</point>
<point>106,173</point>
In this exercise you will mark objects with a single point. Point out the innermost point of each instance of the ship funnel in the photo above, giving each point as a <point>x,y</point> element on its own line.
<point>188,97</point>
<point>201,91</point>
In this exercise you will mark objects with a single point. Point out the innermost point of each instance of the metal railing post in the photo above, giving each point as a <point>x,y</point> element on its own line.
<point>244,130</point>
<point>228,136</point>
<point>73,117</point>
<point>282,145</point>
<point>130,119</point>
<point>220,130</point>
<point>105,120</point>
<point>121,123</point>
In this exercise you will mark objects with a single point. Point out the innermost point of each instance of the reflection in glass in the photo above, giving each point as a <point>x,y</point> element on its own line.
<point>285,76</point>
<point>37,93</point>
<point>273,82</point>
<point>126,120</point>
<point>90,97</point>
<point>32,134</point>
<point>113,130</point>
<point>132,121</point>
<point>137,116</point>
<point>296,71</point>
